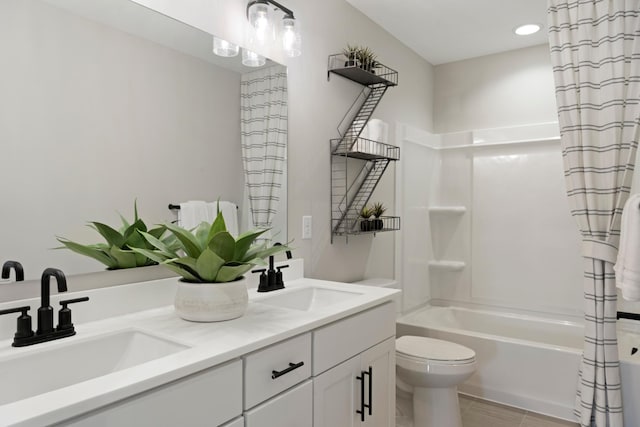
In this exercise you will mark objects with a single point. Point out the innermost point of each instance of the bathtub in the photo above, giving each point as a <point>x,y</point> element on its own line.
<point>525,361</point>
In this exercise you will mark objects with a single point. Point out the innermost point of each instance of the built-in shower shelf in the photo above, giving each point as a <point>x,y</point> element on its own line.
<point>447,265</point>
<point>448,210</point>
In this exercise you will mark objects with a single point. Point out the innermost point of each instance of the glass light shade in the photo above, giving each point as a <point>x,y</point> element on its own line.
<point>291,40</point>
<point>252,59</point>
<point>224,48</point>
<point>258,14</point>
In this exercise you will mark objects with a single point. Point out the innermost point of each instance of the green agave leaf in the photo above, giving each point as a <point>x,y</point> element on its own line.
<point>186,274</point>
<point>157,232</point>
<point>95,253</point>
<point>261,252</point>
<point>156,256</point>
<point>125,223</point>
<point>208,264</point>
<point>159,245</point>
<point>188,264</point>
<point>244,242</point>
<point>229,273</point>
<point>131,230</point>
<point>224,245</point>
<point>218,225</point>
<point>125,259</point>
<point>135,240</point>
<point>187,240</point>
<point>110,235</point>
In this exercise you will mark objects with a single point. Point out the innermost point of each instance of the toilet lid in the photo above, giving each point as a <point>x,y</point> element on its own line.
<point>433,349</point>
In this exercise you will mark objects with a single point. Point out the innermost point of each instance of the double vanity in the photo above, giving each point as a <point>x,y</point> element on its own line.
<point>316,353</point>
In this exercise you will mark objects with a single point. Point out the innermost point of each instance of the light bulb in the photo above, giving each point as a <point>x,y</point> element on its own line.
<point>291,42</point>
<point>224,48</point>
<point>252,59</point>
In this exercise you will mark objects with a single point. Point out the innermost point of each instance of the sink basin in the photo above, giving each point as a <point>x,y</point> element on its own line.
<point>309,298</point>
<point>40,371</point>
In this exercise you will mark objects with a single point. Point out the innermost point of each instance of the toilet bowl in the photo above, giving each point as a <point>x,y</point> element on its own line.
<point>433,368</point>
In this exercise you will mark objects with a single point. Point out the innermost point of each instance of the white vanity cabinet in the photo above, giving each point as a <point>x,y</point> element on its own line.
<point>354,370</point>
<point>208,398</point>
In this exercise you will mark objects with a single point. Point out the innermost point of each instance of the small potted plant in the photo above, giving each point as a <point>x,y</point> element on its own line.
<point>117,251</point>
<point>211,264</point>
<point>361,57</point>
<point>377,210</point>
<point>365,222</point>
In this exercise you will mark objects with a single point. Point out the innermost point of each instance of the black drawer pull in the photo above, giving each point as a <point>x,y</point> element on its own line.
<point>292,366</point>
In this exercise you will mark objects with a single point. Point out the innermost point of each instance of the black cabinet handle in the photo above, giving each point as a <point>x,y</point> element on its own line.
<point>370,405</point>
<point>362,405</point>
<point>292,366</point>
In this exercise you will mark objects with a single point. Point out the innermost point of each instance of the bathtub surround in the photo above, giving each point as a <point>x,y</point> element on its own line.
<point>597,77</point>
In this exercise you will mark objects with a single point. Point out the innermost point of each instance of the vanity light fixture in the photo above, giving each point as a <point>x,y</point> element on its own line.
<point>258,14</point>
<point>527,29</point>
<point>224,48</point>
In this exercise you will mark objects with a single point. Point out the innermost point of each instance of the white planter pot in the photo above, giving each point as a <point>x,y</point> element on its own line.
<point>211,302</point>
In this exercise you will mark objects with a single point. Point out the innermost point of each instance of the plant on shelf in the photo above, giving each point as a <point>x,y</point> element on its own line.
<point>211,263</point>
<point>365,222</point>
<point>378,210</point>
<point>360,56</point>
<point>118,251</point>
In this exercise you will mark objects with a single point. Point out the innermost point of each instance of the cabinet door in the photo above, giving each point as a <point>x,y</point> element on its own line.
<point>290,409</point>
<point>336,396</point>
<point>380,384</point>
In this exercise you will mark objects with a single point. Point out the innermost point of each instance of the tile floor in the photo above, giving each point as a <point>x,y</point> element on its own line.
<point>480,413</point>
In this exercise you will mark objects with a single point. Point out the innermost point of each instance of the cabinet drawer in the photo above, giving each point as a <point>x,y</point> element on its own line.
<point>343,339</point>
<point>208,398</point>
<point>291,409</point>
<point>272,370</point>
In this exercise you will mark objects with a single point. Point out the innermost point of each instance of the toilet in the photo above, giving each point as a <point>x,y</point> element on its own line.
<point>431,370</point>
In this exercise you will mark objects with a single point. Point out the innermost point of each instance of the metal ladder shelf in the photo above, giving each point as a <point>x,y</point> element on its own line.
<point>353,182</point>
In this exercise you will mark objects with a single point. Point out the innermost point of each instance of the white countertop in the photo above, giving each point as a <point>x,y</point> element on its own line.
<point>210,343</point>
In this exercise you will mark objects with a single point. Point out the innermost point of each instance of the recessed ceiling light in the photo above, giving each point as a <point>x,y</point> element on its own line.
<point>525,30</point>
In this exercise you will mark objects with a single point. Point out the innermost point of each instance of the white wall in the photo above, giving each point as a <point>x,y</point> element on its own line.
<point>316,108</point>
<point>505,89</point>
<point>93,118</point>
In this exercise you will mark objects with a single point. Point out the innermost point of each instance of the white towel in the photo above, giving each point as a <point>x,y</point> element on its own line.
<point>229,213</point>
<point>192,213</point>
<point>627,266</point>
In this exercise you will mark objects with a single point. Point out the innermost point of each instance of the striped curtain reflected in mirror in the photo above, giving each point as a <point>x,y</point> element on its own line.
<point>264,141</point>
<point>595,53</point>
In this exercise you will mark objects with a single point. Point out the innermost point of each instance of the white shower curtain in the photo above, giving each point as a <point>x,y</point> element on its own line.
<point>595,53</point>
<point>264,140</point>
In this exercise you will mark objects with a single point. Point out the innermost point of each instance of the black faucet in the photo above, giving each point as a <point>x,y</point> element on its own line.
<point>17,268</point>
<point>272,280</point>
<point>45,332</point>
<point>45,312</point>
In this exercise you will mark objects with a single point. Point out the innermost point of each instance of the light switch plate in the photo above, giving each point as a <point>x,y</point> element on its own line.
<point>306,227</point>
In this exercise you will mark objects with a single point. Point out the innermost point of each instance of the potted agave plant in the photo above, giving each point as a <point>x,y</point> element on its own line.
<point>211,263</point>
<point>360,56</point>
<point>378,209</point>
<point>365,222</point>
<point>117,251</point>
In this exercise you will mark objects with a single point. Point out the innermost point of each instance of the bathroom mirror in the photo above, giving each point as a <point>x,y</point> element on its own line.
<point>106,102</point>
